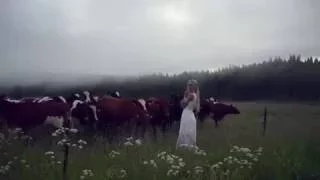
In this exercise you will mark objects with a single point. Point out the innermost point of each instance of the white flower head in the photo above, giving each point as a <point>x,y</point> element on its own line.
<point>49,153</point>
<point>128,143</point>
<point>138,142</point>
<point>145,162</point>
<point>123,173</point>
<point>73,130</point>
<point>129,138</point>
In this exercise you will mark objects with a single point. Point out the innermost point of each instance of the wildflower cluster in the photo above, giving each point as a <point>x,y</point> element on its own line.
<point>86,173</point>
<point>113,173</point>
<point>198,170</point>
<point>130,142</point>
<point>62,132</point>
<point>113,154</point>
<point>123,173</point>
<point>52,158</point>
<point>18,134</point>
<point>176,163</point>
<point>193,148</point>
<point>80,144</point>
<point>242,158</point>
<point>248,156</point>
<point>4,169</point>
<point>151,163</point>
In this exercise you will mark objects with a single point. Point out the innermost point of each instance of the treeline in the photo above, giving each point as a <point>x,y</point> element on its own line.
<point>276,79</point>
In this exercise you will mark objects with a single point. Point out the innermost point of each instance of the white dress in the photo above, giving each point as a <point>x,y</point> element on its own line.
<point>188,126</point>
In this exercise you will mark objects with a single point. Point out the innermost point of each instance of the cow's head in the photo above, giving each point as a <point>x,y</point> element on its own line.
<point>86,113</point>
<point>233,110</point>
<point>114,94</point>
<point>141,108</point>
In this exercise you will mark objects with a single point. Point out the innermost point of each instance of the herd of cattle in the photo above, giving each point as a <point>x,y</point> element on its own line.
<point>107,114</point>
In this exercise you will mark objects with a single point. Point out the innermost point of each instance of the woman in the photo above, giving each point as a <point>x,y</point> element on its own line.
<point>188,124</point>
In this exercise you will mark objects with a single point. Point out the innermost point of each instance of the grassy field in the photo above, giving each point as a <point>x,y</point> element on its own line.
<point>290,150</point>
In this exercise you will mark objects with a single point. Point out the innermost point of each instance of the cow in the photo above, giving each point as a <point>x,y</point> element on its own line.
<point>114,113</point>
<point>217,111</point>
<point>47,110</point>
<point>211,99</point>
<point>114,94</point>
<point>159,109</point>
<point>44,99</point>
<point>28,115</point>
<point>175,108</point>
<point>85,114</point>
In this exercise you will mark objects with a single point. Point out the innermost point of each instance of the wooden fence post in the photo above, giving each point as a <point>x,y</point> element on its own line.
<point>264,123</point>
<point>65,162</point>
<point>66,156</point>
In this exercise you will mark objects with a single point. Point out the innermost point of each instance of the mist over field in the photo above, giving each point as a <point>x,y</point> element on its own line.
<point>82,37</point>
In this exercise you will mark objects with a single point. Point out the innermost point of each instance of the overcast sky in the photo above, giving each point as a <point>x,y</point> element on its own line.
<point>123,37</point>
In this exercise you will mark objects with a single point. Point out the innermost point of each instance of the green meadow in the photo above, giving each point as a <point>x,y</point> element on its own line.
<point>236,149</point>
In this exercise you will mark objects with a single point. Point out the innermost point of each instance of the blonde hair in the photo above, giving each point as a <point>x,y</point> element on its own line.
<point>195,84</point>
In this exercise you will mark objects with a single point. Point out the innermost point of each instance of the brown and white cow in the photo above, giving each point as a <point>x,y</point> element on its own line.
<point>217,111</point>
<point>159,109</point>
<point>27,115</point>
<point>56,112</point>
<point>175,108</point>
<point>114,113</point>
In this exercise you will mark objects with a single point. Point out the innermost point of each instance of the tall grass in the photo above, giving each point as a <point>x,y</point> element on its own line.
<point>291,150</point>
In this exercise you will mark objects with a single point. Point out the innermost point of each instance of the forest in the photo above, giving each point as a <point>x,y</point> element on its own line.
<point>278,79</point>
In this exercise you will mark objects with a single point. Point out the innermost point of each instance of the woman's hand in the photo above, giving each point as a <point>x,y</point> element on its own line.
<point>190,97</point>
<point>183,103</point>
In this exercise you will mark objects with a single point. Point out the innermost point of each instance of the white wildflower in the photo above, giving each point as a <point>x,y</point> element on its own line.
<point>145,162</point>
<point>138,142</point>
<point>23,161</point>
<point>198,170</point>
<point>123,173</point>
<point>260,149</point>
<point>215,166</point>
<point>73,130</point>
<point>113,154</point>
<point>153,163</point>
<point>227,172</point>
<point>245,150</point>
<point>182,164</point>
<point>249,155</point>
<point>49,153</point>
<point>128,143</point>
<point>82,142</point>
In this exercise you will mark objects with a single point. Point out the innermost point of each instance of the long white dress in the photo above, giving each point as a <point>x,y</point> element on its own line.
<point>188,126</point>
